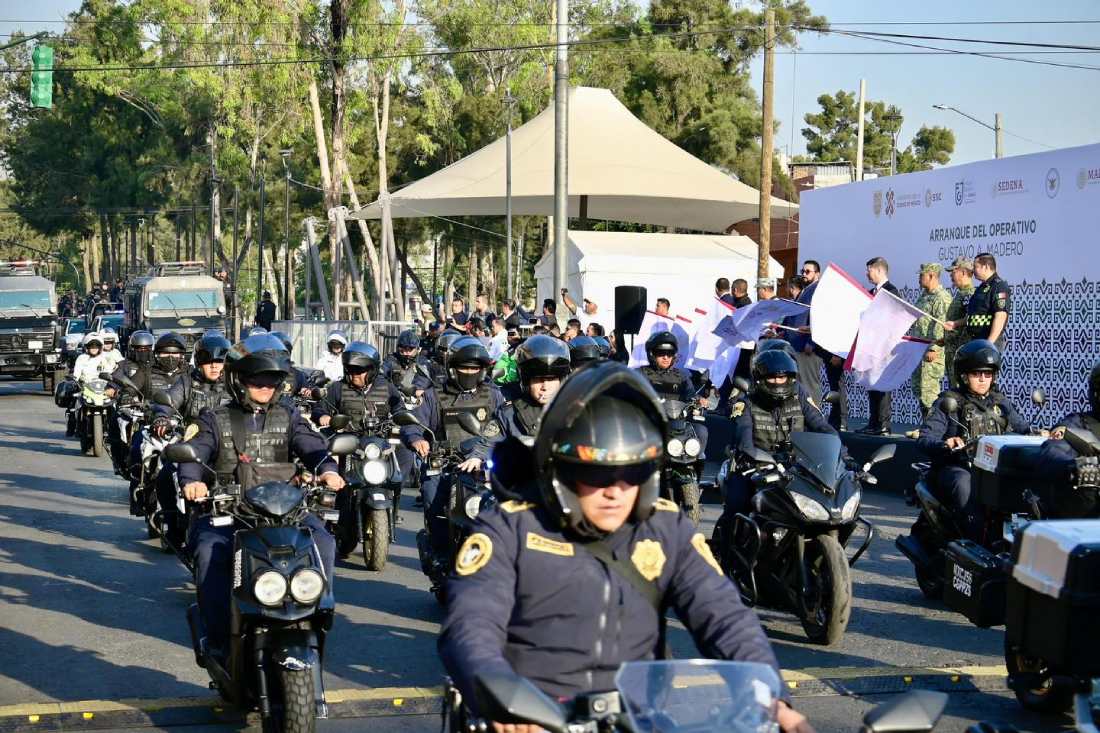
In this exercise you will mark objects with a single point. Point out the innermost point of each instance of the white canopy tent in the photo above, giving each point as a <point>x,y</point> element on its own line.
<point>680,267</point>
<point>619,170</point>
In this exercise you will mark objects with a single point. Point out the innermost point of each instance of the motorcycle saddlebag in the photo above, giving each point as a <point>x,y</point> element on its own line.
<point>63,393</point>
<point>974,583</point>
<point>1004,465</point>
<point>1054,595</point>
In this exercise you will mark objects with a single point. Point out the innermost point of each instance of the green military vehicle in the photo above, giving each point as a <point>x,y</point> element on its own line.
<point>175,297</point>
<point>29,343</point>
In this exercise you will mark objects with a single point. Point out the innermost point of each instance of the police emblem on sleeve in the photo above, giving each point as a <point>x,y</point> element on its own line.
<point>491,429</point>
<point>649,558</point>
<point>482,413</point>
<point>738,409</point>
<point>699,542</point>
<point>474,554</point>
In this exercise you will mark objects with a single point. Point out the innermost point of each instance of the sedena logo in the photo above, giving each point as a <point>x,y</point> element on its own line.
<point>1053,183</point>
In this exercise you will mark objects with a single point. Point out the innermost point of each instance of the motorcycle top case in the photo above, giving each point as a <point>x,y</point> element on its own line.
<point>1054,595</point>
<point>974,583</point>
<point>1004,465</point>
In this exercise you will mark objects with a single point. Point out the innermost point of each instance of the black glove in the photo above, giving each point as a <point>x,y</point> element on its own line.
<point>1087,470</point>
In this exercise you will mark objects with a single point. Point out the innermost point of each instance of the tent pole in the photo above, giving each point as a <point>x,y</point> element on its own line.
<point>561,144</point>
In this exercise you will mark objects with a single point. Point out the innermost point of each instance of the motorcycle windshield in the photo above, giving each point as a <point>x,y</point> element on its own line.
<point>818,453</point>
<point>674,409</point>
<point>274,498</point>
<point>699,695</point>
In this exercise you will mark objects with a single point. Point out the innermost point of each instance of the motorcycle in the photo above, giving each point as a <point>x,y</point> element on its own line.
<point>282,604</point>
<point>167,526</point>
<point>789,551</point>
<point>1009,492</point>
<point>697,695</point>
<point>92,409</point>
<point>374,480</point>
<point>683,451</point>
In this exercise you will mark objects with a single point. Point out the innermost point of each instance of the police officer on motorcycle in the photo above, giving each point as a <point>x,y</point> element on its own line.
<point>362,393</point>
<point>406,369</point>
<point>765,418</point>
<point>567,584</point>
<point>248,441</point>
<point>465,391</point>
<point>542,362</point>
<point>442,352</point>
<point>670,381</point>
<point>331,362</point>
<point>157,372</point>
<point>982,410</point>
<point>1070,471</point>
<point>203,386</point>
<point>583,350</point>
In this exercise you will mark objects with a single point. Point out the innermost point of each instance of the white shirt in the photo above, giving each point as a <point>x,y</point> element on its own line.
<point>332,365</point>
<point>498,345</point>
<point>88,367</point>
<point>111,359</point>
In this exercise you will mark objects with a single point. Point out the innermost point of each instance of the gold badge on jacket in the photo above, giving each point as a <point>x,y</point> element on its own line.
<point>649,558</point>
<point>474,554</point>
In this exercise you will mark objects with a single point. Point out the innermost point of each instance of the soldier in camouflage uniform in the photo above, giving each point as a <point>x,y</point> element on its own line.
<point>928,378</point>
<point>962,277</point>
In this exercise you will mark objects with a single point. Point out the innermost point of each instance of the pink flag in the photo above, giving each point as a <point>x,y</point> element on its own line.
<point>881,328</point>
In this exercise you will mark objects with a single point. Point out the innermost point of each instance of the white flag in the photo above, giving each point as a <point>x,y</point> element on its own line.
<point>706,346</point>
<point>653,323</point>
<point>838,303</point>
<point>752,319</point>
<point>892,372</point>
<point>881,328</point>
<point>723,365</point>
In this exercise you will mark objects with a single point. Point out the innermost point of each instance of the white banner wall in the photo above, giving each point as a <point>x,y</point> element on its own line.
<point>1039,215</point>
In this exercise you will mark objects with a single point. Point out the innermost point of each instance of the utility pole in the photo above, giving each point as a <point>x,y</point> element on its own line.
<point>214,181</point>
<point>288,294</point>
<point>260,256</point>
<point>766,145</point>
<point>859,132</point>
<point>561,146</point>
<point>999,136</point>
<point>509,103</point>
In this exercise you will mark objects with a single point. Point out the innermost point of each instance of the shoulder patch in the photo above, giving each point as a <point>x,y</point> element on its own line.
<point>191,432</point>
<point>699,542</point>
<point>474,554</point>
<point>512,506</point>
<point>545,544</point>
<point>665,505</point>
<point>649,558</point>
<point>812,403</point>
<point>738,410</point>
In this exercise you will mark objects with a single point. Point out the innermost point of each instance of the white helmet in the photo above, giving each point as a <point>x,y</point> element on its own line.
<point>108,334</point>
<point>91,337</point>
<point>337,336</point>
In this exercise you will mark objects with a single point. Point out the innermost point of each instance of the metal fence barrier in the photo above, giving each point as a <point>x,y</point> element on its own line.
<point>310,338</point>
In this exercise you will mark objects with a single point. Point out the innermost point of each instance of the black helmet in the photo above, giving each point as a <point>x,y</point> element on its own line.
<point>361,355</point>
<point>1094,389</point>
<point>603,345</point>
<point>443,345</point>
<point>407,340</point>
<point>139,349</point>
<point>254,331</point>
<point>211,348</point>
<point>764,345</point>
<point>662,343</point>
<point>260,354</point>
<point>773,363</point>
<point>542,356</point>
<point>287,343</point>
<point>603,419</point>
<point>975,355</point>
<point>468,351</point>
<point>583,350</point>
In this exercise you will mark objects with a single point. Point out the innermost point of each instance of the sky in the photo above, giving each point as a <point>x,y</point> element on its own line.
<point>1042,107</point>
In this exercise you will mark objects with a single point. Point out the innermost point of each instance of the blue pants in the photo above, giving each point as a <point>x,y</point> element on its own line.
<point>212,548</point>
<point>406,461</point>
<point>739,491</point>
<point>436,492</point>
<point>953,488</point>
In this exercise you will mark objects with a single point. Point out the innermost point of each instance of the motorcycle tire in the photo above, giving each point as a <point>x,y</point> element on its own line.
<point>99,448</point>
<point>376,539</point>
<point>49,381</point>
<point>829,564</point>
<point>298,714</point>
<point>1048,698</point>
<point>929,582</point>
<point>85,440</point>
<point>691,498</point>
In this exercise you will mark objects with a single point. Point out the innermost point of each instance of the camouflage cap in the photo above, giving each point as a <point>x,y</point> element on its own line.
<point>964,263</point>
<point>766,282</point>
<point>933,267</point>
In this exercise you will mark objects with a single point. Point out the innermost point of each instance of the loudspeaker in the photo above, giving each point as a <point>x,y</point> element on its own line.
<point>630,303</point>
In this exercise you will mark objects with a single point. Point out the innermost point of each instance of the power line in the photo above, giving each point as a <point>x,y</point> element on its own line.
<point>1034,44</point>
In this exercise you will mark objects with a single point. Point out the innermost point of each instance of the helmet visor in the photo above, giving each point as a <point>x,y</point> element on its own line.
<point>589,474</point>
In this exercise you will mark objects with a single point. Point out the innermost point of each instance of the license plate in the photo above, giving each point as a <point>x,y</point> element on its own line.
<point>430,472</point>
<point>223,521</point>
<point>51,358</point>
<point>34,345</point>
<point>330,516</point>
<point>379,497</point>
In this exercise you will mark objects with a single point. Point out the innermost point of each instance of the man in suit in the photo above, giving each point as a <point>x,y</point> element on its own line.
<point>879,407</point>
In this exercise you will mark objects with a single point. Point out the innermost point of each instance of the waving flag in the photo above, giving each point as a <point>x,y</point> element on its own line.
<point>838,303</point>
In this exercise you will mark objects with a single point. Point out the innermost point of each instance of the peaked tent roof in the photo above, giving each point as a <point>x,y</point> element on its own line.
<point>624,170</point>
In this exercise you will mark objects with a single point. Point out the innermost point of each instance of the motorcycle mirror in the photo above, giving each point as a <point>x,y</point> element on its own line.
<point>885,452</point>
<point>469,423</point>
<point>181,453</point>
<point>404,418</point>
<point>320,381</point>
<point>1083,441</point>
<point>315,394</point>
<point>741,384</point>
<point>509,698</point>
<point>339,422</point>
<point>1039,397</point>
<point>343,445</point>
<point>832,398</point>
<point>917,710</point>
<point>949,404</point>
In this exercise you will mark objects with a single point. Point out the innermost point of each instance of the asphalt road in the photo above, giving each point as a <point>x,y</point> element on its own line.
<point>90,610</point>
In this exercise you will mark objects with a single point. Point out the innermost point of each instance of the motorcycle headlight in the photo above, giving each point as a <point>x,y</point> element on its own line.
<point>848,511</point>
<point>375,472</point>
<point>372,451</point>
<point>269,588</point>
<point>811,508</point>
<point>675,448</point>
<point>692,447</point>
<point>473,506</point>
<point>306,585</point>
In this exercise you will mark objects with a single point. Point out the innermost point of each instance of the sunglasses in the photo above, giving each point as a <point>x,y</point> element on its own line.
<point>265,381</point>
<point>354,370</point>
<point>982,375</point>
<point>601,477</point>
<point>808,271</point>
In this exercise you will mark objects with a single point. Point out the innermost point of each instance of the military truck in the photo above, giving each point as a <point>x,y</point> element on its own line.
<point>175,297</point>
<point>29,344</point>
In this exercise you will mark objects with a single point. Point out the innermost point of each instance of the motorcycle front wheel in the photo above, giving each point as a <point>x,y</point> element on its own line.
<point>376,538</point>
<point>298,714</point>
<point>99,448</point>
<point>1046,697</point>
<point>692,497</point>
<point>830,582</point>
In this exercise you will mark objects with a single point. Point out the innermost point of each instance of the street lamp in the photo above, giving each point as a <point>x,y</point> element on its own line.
<point>288,297</point>
<point>998,129</point>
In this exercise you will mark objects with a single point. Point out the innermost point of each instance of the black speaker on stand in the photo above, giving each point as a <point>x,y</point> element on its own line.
<point>630,302</point>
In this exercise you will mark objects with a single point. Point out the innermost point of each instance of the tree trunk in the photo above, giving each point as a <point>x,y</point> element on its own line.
<point>471,270</point>
<point>338,25</point>
<point>87,246</point>
<point>369,249</point>
<point>101,252</point>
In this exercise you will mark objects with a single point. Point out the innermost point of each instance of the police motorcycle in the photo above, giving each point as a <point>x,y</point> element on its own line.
<point>93,408</point>
<point>683,452</point>
<point>375,478</point>
<point>1002,473</point>
<point>682,696</point>
<point>282,605</point>
<point>789,552</point>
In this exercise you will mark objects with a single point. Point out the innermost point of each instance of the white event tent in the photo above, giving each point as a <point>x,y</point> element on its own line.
<point>619,170</point>
<point>680,267</point>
